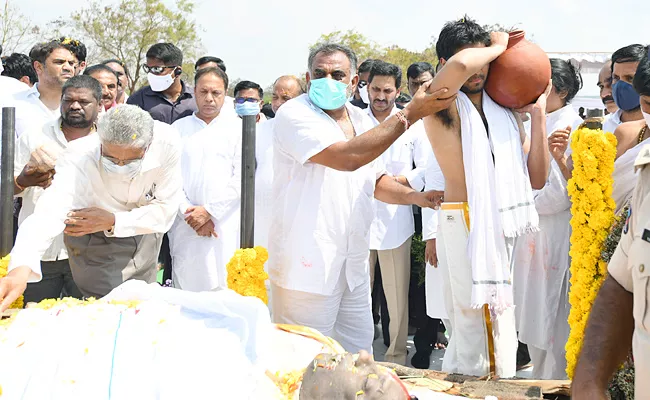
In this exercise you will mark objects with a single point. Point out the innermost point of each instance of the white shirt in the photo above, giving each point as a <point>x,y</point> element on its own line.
<point>146,204</point>
<point>263,181</point>
<point>612,121</point>
<point>31,113</point>
<point>211,170</point>
<point>10,87</point>
<point>188,126</point>
<point>434,180</point>
<point>321,216</point>
<point>27,143</point>
<point>393,223</point>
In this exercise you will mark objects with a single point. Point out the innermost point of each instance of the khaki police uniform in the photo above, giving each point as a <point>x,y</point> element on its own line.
<point>630,267</point>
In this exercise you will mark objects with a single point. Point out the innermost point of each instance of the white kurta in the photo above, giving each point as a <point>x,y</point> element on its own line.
<point>188,126</point>
<point>541,268</point>
<point>612,121</point>
<point>321,216</point>
<point>435,299</point>
<point>211,168</point>
<point>146,204</point>
<point>263,181</point>
<point>393,223</point>
<point>29,142</point>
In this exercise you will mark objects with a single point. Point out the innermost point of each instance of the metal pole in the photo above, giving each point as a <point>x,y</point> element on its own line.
<point>7,180</point>
<point>248,182</point>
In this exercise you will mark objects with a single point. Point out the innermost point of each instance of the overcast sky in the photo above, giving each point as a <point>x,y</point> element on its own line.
<point>260,40</point>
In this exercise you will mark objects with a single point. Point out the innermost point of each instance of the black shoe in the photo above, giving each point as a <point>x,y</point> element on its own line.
<point>421,360</point>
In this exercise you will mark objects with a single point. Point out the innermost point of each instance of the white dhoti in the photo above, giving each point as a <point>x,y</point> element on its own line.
<point>345,315</point>
<point>482,340</point>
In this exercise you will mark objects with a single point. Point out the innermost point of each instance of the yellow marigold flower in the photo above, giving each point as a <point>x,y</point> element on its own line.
<point>4,265</point>
<point>592,209</point>
<point>246,273</point>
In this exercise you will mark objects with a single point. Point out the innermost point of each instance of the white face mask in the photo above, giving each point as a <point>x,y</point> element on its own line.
<point>124,172</point>
<point>363,93</point>
<point>646,116</point>
<point>160,83</point>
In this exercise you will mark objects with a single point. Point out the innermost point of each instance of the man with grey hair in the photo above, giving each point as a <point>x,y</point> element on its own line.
<point>326,174</point>
<point>113,196</point>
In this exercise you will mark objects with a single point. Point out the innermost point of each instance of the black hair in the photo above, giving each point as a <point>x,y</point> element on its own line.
<point>243,85</point>
<point>418,68</point>
<point>76,47</point>
<point>41,51</point>
<point>403,98</point>
<point>208,59</point>
<point>331,48</point>
<point>382,68</point>
<point>631,53</point>
<point>101,67</point>
<point>366,66</point>
<point>267,110</point>
<point>642,78</point>
<point>18,65</point>
<point>566,78</point>
<point>457,34</point>
<point>116,61</point>
<point>83,82</point>
<point>167,53</point>
<point>214,71</point>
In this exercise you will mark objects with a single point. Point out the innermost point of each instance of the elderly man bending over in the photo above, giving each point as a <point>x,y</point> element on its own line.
<point>113,196</point>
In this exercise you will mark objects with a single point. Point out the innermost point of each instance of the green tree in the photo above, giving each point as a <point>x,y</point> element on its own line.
<point>363,47</point>
<point>366,48</point>
<point>126,31</point>
<point>16,30</point>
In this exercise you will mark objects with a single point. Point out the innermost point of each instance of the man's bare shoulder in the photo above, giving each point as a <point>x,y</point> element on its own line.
<point>627,128</point>
<point>446,120</point>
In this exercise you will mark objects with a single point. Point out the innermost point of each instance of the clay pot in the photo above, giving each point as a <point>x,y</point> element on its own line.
<point>519,75</point>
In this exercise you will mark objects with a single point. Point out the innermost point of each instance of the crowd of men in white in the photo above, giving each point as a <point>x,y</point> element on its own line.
<point>103,176</point>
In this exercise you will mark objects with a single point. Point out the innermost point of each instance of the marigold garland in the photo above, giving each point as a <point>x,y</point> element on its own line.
<point>592,209</point>
<point>4,265</point>
<point>246,273</point>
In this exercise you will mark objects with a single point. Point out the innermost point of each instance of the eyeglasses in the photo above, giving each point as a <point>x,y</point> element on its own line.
<point>242,100</point>
<point>156,70</point>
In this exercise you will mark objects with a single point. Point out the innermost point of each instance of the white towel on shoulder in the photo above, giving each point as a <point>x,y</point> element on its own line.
<point>499,194</point>
<point>625,176</point>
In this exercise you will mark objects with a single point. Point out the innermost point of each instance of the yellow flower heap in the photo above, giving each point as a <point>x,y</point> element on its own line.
<point>592,212</point>
<point>246,273</point>
<point>4,264</point>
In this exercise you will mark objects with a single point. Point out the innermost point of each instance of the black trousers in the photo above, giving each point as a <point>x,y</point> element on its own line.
<point>165,258</point>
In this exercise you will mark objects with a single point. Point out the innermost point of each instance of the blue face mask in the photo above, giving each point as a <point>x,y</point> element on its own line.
<point>247,108</point>
<point>625,97</point>
<point>328,94</point>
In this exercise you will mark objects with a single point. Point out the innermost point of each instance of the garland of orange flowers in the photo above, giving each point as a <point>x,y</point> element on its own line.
<point>246,273</point>
<point>4,265</point>
<point>592,212</point>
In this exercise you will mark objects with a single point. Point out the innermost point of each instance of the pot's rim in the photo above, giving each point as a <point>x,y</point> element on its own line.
<point>516,34</point>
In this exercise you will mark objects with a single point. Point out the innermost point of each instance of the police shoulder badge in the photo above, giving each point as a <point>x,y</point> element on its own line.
<point>626,228</point>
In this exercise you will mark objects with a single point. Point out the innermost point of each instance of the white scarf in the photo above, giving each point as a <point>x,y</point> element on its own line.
<point>625,176</point>
<point>499,194</point>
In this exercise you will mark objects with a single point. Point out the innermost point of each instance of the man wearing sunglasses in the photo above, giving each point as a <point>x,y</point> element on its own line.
<point>113,196</point>
<point>361,93</point>
<point>167,98</point>
<point>248,95</point>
